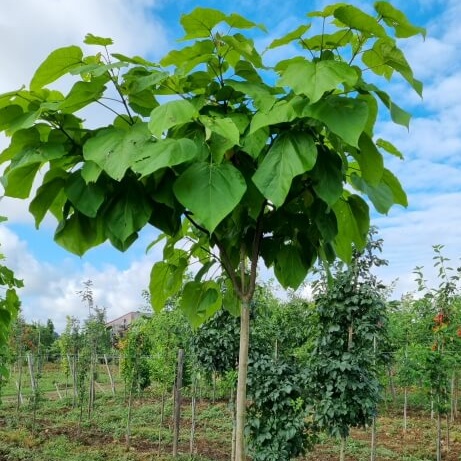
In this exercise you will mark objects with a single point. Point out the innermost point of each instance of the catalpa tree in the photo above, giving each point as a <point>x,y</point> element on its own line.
<point>244,161</point>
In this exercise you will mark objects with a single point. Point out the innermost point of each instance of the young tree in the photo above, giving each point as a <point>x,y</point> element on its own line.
<point>246,161</point>
<point>9,311</point>
<point>343,367</point>
<point>441,359</point>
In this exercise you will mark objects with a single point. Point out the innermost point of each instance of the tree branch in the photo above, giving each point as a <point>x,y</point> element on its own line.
<point>223,256</point>
<point>255,252</point>
<point>227,266</point>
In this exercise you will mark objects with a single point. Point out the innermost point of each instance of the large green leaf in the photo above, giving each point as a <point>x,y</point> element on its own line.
<point>20,141</point>
<point>324,42</point>
<point>325,220</point>
<point>370,160</point>
<point>200,300</point>
<point>376,63</point>
<point>314,79</point>
<point>292,153</point>
<point>14,119</point>
<point>224,127</point>
<point>20,174</point>
<point>189,57</point>
<point>346,117</point>
<point>379,194</point>
<point>210,191</point>
<point>386,53</point>
<point>262,96</point>
<point>281,112</point>
<point>8,114</point>
<point>91,39</point>
<point>137,80</point>
<point>396,19</point>
<point>170,114</point>
<point>115,150</point>
<point>128,213</point>
<point>247,71</point>
<point>328,176</point>
<point>200,22</point>
<point>326,12</point>
<point>78,233</point>
<point>58,63</point>
<point>372,112</point>
<point>241,46</point>
<point>82,94</point>
<point>219,147</point>
<point>90,171</point>
<point>18,182</point>
<point>353,220</point>
<point>398,115</point>
<point>50,192</point>
<point>86,198</point>
<point>389,147</point>
<point>237,21</point>
<point>290,37</point>
<point>383,194</point>
<point>40,153</point>
<point>354,18</point>
<point>400,197</point>
<point>166,278</point>
<point>164,153</point>
<point>254,143</point>
<point>290,268</point>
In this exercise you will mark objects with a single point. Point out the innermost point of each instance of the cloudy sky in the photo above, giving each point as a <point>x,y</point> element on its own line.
<point>430,173</point>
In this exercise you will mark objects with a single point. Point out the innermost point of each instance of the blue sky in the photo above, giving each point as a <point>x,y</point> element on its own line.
<point>430,172</point>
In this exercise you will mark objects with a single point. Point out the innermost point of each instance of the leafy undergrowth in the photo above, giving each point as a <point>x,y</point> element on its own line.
<point>57,434</point>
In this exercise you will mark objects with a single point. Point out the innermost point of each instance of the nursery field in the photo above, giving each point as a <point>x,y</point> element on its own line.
<point>50,429</point>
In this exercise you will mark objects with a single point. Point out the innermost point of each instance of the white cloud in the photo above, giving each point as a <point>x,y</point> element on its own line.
<point>50,290</point>
<point>31,30</point>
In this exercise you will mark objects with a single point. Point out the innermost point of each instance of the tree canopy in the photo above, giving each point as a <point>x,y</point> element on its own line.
<point>214,147</point>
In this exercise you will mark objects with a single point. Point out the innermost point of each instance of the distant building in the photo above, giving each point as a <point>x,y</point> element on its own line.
<point>120,325</point>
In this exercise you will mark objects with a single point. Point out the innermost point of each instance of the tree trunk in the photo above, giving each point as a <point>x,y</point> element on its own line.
<point>439,436</point>
<point>447,444</point>
<point>391,384</point>
<point>19,384</point>
<point>162,410</point>
<point>128,418</point>
<point>373,424</point>
<point>177,401</point>
<point>213,394</point>
<point>91,387</point>
<point>455,397</point>
<point>405,404</point>
<point>193,417</point>
<point>30,362</point>
<point>240,452</point>
<point>342,453</point>
<point>234,429</point>
<point>56,385</point>
<point>111,378</point>
<point>373,440</point>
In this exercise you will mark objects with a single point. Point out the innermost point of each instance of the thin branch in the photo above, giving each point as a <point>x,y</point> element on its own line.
<point>361,41</point>
<point>110,108</point>
<point>307,47</point>
<point>255,252</point>
<point>113,78</point>
<point>196,224</point>
<point>227,266</point>
<point>224,258</point>
<point>243,257</point>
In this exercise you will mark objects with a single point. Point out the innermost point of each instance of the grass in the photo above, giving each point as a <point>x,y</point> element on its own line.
<point>60,434</point>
